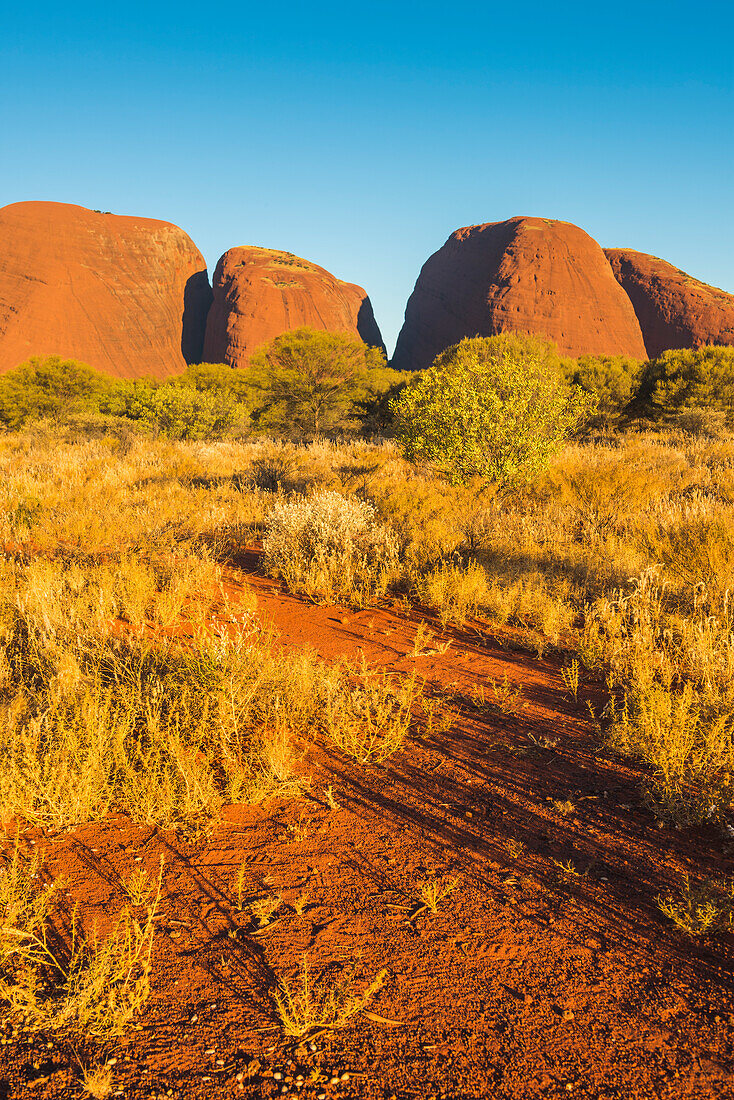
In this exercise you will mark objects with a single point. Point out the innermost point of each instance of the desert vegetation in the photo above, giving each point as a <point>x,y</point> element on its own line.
<point>139,678</point>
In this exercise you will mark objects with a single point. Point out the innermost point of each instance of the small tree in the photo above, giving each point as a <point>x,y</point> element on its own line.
<point>309,381</point>
<point>496,408</point>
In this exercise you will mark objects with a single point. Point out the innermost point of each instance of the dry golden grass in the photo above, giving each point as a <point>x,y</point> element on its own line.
<point>307,1006</point>
<point>622,550</point>
<point>92,985</point>
<point>700,910</point>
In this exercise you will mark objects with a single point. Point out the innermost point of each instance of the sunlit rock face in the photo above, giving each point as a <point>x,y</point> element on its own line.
<point>531,275</point>
<point>674,310</point>
<point>128,296</point>
<point>260,293</point>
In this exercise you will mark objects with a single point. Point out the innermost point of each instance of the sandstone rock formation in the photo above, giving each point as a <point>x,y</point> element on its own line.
<point>260,293</point>
<point>674,310</point>
<point>128,296</point>
<point>525,275</point>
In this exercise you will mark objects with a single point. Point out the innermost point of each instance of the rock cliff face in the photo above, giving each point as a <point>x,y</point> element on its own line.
<point>674,310</point>
<point>524,275</point>
<point>260,293</point>
<point>128,296</point>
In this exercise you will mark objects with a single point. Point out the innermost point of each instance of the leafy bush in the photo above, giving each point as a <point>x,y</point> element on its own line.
<point>690,377</point>
<point>177,411</point>
<point>611,380</point>
<point>329,547</point>
<point>494,408</point>
<point>48,387</point>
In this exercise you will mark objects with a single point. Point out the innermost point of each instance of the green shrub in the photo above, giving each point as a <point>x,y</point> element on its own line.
<point>177,411</point>
<point>48,387</point>
<point>495,408</point>
<point>611,380</point>
<point>687,378</point>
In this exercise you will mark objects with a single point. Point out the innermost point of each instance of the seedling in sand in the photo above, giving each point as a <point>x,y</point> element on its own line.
<point>331,801</point>
<point>421,640</point>
<point>433,891</point>
<point>239,886</point>
<point>567,867</point>
<point>97,1082</point>
<point>265,908</point>
<point>563,806</point>
<point>570,675</point>
<point>300,904</point>
<point>139,886</point>
<point>297,830</point>
<point>514,848</point>
<point>505,693</point>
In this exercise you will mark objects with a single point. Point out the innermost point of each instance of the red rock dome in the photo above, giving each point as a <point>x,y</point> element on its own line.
<point>128,296</point>
<point>523,275</point>
<point>674,310</point>
<point>260,293</point>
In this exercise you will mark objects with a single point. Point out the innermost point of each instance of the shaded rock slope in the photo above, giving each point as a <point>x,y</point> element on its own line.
<point>127,295</point>
<point>524,275</point>
<point>260,293</point>
<point>674,310</point>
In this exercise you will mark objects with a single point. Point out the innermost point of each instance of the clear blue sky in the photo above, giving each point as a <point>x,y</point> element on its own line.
<point>360,136</point>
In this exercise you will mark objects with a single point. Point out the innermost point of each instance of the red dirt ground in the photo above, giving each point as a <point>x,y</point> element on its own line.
<point>528,981</point>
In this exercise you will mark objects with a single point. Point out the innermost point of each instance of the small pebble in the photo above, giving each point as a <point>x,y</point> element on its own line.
<point>277,1076</point>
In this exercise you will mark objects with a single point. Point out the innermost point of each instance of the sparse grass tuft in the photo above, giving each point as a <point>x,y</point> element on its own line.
<point>700,910</point>
<point>98,1082</point>
<point>91,984</point>
<point>306,1006</point>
